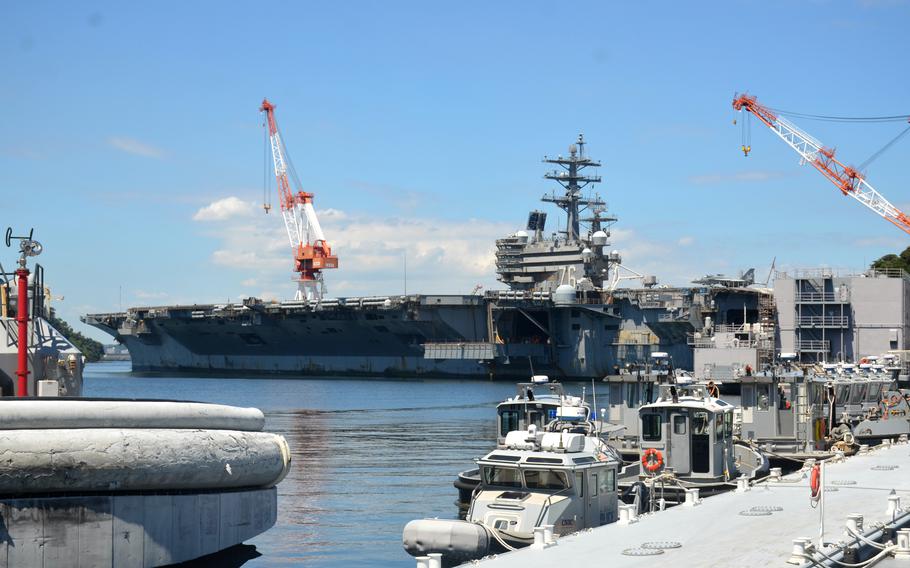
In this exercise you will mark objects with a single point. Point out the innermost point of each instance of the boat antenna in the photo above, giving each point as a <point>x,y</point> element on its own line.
<point>594,396</point>
<point>531,363</point>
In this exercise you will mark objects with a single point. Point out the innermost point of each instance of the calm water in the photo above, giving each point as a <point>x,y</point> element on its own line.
<point>368,455</point>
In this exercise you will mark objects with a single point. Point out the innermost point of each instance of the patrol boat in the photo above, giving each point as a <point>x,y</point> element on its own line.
<point>535,403</point>
<point>537,485</point>
<point>686,442</point>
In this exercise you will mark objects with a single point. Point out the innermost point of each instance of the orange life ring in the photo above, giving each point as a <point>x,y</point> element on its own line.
<point>815,481</point>
<point>652,460</point>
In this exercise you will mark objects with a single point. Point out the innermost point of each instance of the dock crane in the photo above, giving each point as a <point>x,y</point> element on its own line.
<point>849,180</point>
<point>312,252</point>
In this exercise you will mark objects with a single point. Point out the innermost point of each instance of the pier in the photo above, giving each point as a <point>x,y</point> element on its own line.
<point>864,504</point>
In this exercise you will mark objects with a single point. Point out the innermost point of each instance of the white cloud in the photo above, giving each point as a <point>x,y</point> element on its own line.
<point>442,255</point>
<point>223,209</point>
<point>135,147</point>
<point>685,241</point>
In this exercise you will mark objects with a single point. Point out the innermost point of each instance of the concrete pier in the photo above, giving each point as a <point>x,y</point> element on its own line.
<point>140,530</point>
<point>758,525</point>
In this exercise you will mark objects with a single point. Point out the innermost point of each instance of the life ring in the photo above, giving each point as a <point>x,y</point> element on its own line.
<point>652,460</point>
<point>815,481</point>
<point>893,400</point>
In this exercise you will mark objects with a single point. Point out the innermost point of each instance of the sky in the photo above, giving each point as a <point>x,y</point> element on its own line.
<point>132,142</point>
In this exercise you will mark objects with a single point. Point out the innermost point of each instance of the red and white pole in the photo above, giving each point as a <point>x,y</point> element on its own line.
<point>22,320</point>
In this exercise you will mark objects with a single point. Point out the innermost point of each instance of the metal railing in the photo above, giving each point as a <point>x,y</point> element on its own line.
<point>823,321</point>
<point>813,345</point>
<point>822,297</point>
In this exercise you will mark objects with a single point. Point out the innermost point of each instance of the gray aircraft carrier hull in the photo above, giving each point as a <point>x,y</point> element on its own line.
<point>507,336</point>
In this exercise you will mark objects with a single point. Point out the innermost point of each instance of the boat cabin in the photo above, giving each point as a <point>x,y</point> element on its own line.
<point>633,387</point>
<point>692,433</point>
<point>539,478</point>
<point>538,403</point>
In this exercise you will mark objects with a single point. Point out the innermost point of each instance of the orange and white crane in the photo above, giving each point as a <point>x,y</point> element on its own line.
<point>312,252</point>
<point>849,180</point>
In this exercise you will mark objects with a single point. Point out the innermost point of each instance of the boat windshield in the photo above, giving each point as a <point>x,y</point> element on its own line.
<point>545,479</point>
<point>502,476</point>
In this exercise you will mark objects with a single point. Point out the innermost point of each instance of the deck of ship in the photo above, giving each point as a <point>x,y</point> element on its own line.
<point>755,527</point>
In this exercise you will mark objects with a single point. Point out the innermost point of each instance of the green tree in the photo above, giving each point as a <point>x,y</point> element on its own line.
<point>93,350</point>
<point>891,261</point>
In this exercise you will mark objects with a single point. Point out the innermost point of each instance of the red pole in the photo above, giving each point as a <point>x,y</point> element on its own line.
<point>22,319</point>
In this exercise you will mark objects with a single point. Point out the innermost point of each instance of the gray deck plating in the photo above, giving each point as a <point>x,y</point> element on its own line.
<point>717,534</point>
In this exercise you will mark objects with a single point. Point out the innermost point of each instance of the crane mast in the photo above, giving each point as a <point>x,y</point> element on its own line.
<point>312,253</point>
<point>850,181</point>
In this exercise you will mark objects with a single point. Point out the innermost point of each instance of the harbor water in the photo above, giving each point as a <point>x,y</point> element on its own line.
<point>368,455</point>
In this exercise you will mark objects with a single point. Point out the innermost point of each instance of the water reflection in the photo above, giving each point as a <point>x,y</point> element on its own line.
<point>367,456</point>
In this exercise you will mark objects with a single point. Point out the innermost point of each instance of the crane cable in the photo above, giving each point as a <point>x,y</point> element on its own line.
<point>873,157</point>
<point>847,119</point>
<point>893,118</point>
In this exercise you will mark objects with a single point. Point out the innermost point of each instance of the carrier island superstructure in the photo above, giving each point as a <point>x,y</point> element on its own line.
<point>564,313</point>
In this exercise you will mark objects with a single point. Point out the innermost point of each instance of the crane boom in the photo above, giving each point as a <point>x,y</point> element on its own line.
<point>850,181</point>
<point>312,253</point>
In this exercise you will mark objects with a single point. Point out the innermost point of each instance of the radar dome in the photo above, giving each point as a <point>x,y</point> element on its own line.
<point>599,238</point>
<point>521,236</point>
<point>564,294</point>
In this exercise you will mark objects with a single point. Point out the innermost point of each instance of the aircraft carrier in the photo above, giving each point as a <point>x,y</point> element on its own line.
<point>564,314</point>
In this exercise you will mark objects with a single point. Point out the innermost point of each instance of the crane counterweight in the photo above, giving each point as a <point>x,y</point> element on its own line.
<point>312,253</point>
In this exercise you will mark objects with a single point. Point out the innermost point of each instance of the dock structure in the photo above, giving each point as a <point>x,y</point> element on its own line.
<point>865,507</point>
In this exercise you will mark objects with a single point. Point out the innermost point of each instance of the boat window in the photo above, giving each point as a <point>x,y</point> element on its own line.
<point>700,423</point>
<point>875,392</point>
<point>584,460</point>
<point>679,424</point>
<point>747,396</point>
<point>719,433</point>
<point>579,483</point>
<point>595,486</point>
<point>508,421</point>
<point>783,396</point>
<point>503,458</point>
<point>763,392</point>
<point>615,397</point>
<point>841,392</point>
<point>650,427</point>
<point>607,481</point>
<point>533,459</point>
<point>545,479</point>
<point>728,423</point>
<point>503,476</point>
<point>632,395</point>
<point>858,393</point>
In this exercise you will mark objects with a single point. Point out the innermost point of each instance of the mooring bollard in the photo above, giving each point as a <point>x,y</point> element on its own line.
<point>854,524</point>
<point>549,537</point>
<point>798,554</point>
<point>903,545</point>
<point>540,540</point>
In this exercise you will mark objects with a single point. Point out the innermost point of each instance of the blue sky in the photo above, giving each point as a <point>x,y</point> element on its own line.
<point>132,142</point>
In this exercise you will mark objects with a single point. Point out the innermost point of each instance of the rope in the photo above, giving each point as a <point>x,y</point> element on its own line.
<point>878,557</point>
<point>498,538</point>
